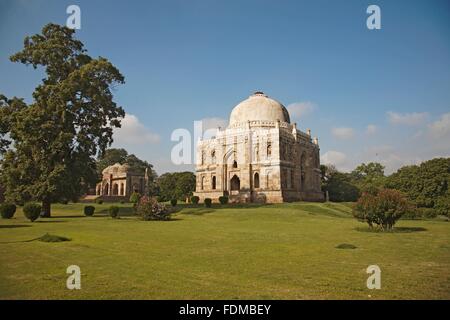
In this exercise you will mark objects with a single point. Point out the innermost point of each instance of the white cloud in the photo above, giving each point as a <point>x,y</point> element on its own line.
<point>133,131</point>
<point>298,110</point>
<point>336,158</point>
<point>342,132</point>
<point>440,128</point>
<point>371,129</point>
<point>410,119</point>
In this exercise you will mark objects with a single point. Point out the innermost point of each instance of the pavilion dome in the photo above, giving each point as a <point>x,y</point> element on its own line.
<point>259,107</point>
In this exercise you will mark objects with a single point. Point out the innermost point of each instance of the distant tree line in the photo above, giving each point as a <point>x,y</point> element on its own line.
<point>425,185</point>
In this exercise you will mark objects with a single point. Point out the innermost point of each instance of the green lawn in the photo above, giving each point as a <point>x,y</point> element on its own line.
<point>283,251</point>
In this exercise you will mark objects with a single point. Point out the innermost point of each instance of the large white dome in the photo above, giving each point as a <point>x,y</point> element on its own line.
<point>259,107</point>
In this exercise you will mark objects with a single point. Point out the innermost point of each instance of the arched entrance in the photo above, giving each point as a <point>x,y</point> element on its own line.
<point>214,183</point>
<point>115,190</point>
<point>235,183</point>
<point>106,189</point>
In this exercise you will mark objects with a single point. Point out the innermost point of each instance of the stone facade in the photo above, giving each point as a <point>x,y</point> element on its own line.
<point>259,157</point>
<point>119,181</point>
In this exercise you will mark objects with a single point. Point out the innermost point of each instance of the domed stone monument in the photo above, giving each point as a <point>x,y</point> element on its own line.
<point>259,157</point>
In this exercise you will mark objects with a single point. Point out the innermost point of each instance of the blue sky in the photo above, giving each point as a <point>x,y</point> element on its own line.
<point>369,95</point>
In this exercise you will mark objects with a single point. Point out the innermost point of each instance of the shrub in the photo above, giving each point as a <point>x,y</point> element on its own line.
<point>208,202</point>
<point>195,199</point>
<point>7,210</point>
<point>64,201</point>
<point>31,211</point>
<point>89,211</point>
<point>150,209</point>
<point>382,209</point>
<point>122,201</point>
<point>223,199</point>
<point>99,201</point>
<point>134,198</point>
<point>113,211</point>
<point>173,202</point>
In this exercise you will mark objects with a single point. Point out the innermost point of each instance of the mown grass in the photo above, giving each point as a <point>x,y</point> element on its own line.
<point>284,251</point>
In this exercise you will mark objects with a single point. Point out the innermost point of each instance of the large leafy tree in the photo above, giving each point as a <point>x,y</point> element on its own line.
<point>177,185</point>
<point>426,183</point>
<point>368,177</point>
<point>49,146</point>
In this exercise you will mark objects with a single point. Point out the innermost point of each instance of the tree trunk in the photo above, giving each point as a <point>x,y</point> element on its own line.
<point>46,209</point>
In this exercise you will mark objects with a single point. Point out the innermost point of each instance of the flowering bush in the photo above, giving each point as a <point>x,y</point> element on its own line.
<point>383,208</point>
<point>150,209</point>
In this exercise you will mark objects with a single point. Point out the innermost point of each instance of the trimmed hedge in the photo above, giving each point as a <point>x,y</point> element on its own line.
<point>208,202</point>
<point>32,211</point>
<point>89,211</point>
<point>195,199</point>
<point>173,202</point>
<point>7,210</point>
<point>99,201</point>
<point>114,211</point>
<point>223,199</point>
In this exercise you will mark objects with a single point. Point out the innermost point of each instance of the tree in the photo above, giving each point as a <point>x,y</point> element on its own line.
<point>368,176</point>
<point>49,146</point>
<point>382,209</point>
<point>110,157</point>
<point>424,184</point>
<point>338,185</point>
<point>177,185</point>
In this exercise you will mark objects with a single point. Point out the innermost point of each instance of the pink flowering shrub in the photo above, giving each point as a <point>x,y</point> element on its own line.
<point>150,209</point>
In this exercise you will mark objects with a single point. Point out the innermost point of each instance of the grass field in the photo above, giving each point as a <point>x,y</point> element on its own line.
<point>285,251</point>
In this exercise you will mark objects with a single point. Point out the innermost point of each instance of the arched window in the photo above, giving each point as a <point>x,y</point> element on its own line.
<point>203,158</point>
<point>256,180</point>
<point>213,185</point>
<point>234,164</point>
<point>213,156</point>
<point>122,189</point>
<point>269,150</point>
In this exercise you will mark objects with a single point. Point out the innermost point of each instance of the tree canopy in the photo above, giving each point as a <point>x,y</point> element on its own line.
<point>49,146</point>
<point>426,183</point>
<point>176,185</point>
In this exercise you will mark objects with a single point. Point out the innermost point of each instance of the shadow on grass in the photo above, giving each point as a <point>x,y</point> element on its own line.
<point>49,221</point>
<point>13,226</point>
<point>395,230</point>
<point>198,212</point>
<point>123,211</point>
<point>201,209</point>
<point>346,246</point>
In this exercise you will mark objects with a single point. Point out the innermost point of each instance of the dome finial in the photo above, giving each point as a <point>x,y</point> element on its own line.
<point>259,93</point>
